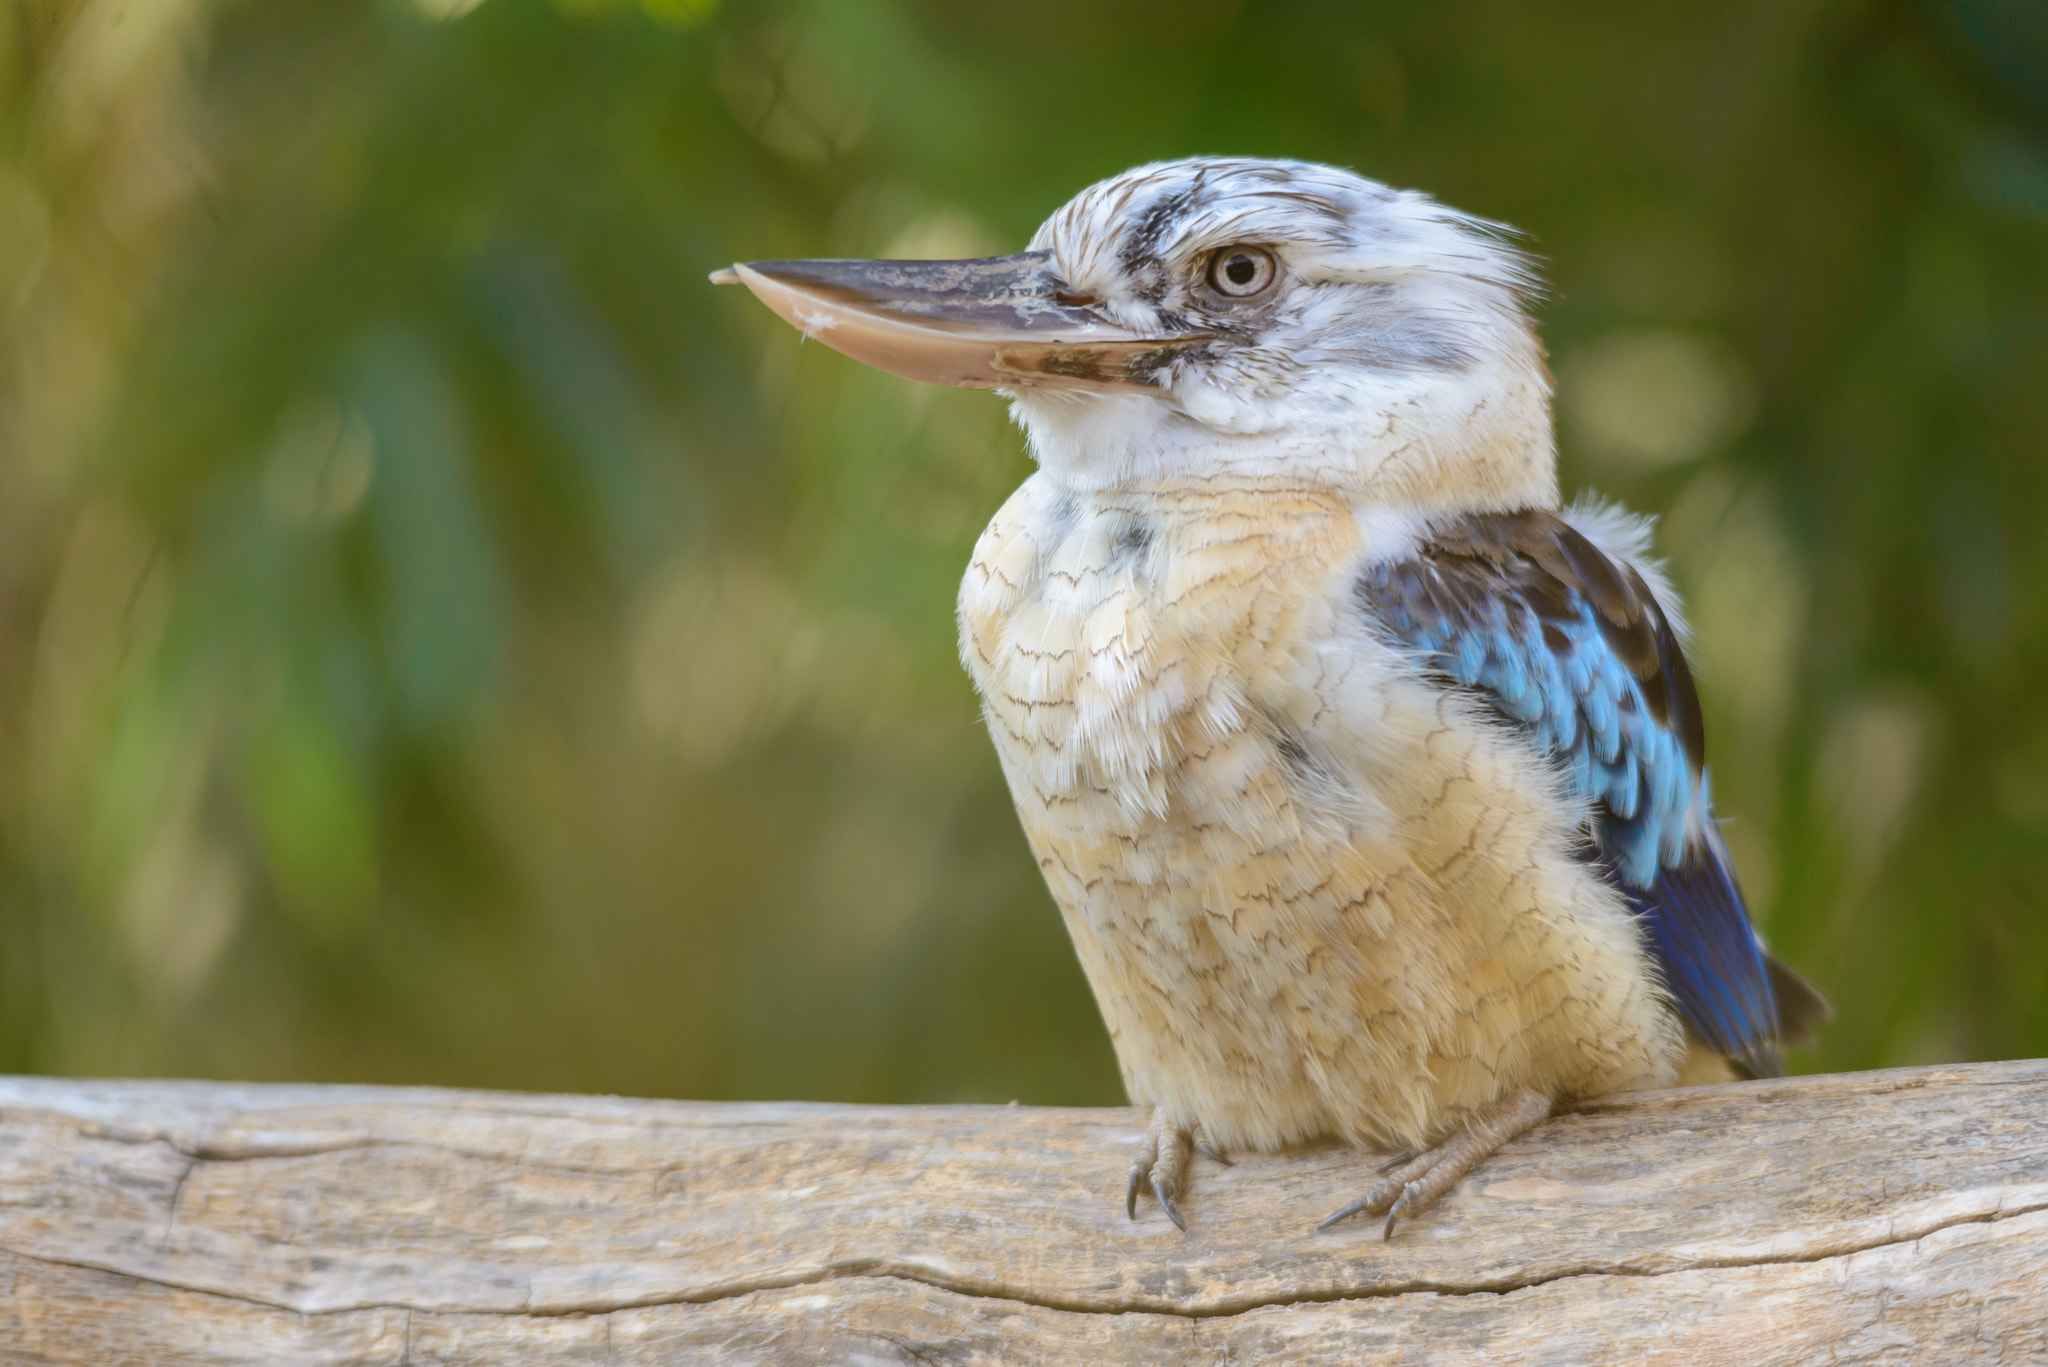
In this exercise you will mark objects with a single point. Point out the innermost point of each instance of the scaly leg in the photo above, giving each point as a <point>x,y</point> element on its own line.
<point>1162,1164</point>
<point>1410,1184</point>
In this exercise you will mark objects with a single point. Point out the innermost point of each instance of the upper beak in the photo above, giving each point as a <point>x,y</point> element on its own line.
<point>1002,322</point>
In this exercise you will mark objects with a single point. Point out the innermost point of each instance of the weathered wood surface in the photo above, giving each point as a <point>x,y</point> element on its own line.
<point>1877,1217</point>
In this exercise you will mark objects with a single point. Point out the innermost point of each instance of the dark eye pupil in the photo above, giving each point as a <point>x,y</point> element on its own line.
<point>1239,270</point>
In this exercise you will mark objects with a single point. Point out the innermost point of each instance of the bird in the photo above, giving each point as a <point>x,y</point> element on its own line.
<point>1368,776</point>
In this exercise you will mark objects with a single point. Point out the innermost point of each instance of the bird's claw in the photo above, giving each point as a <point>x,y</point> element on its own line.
<point>1334,1216</point>
<point>1161,1163</point>
<point>1400,1191</point>
<point>1411,1181</point>
<point>1378,1197</point>
<point>1163,1191</point>
<point>1411,1198</point>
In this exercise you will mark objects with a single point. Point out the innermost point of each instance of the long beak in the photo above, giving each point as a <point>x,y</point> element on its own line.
<point>1001,322</point>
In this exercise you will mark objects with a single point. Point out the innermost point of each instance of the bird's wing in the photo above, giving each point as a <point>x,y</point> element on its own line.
<point>1571,645</point>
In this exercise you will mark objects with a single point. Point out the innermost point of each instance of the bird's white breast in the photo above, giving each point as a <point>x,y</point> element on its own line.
<point>1314,892</point>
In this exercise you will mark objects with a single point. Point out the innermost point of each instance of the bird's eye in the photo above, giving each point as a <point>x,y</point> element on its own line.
<point>1241,272</point>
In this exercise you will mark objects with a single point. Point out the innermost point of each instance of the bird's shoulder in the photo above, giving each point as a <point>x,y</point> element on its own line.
<point>1568,640</point>
<point>1492,590</point>
<point>1556,624</point>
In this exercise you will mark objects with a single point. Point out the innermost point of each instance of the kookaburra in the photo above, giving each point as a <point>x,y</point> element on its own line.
<point>1370,781</point>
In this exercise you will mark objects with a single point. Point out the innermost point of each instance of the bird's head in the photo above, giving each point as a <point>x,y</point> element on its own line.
<point>1189,319</point>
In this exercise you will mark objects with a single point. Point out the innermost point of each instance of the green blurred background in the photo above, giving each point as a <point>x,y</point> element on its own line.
<point>442,639</point>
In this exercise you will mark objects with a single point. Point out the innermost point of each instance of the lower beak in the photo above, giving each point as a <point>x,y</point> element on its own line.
<point>1002,322</point>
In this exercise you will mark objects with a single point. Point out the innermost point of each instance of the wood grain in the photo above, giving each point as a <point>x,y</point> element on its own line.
<point>1874,1217</point>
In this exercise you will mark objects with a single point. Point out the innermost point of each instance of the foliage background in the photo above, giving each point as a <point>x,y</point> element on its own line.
<point>444,640</point>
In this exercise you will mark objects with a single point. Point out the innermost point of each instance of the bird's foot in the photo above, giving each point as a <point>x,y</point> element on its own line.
<point>1412,1181</point>
<point>1162,1163</point>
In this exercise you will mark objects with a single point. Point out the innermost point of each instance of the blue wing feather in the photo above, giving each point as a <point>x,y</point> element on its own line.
<point>1710,958</point>
<point>1574,648</point>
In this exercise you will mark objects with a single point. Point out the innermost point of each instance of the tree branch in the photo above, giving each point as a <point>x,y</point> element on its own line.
<point>1858,1218</point>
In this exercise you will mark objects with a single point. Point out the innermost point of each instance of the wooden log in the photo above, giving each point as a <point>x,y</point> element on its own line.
<point>1874,1217</point>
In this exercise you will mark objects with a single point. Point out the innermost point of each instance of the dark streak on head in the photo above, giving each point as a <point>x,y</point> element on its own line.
<point>1140,250</point>
<point>1398,348</point>
<point>1402,338</point>
<point>1396,352</point>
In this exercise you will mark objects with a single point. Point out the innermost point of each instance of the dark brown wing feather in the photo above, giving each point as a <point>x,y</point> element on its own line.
<point>1467,599</point>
